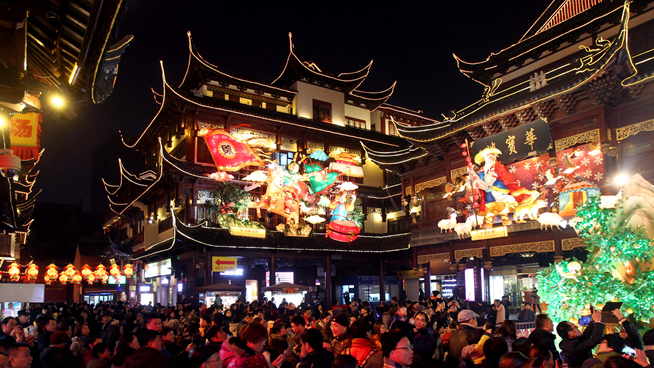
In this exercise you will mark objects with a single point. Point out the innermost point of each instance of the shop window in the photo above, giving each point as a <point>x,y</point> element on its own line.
<point>353,122</point>
<point>322,111</point>
<point>283,158</point>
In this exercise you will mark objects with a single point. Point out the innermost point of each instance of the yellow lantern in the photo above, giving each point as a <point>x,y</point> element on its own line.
<point>77,278</point>
<point>101,274</point>
<point>32,272</point>
<point>47,279</point>
<point>70,271</point>
<point>128,270</point>
<point>52,272</point>
<point>86,271</point>
<point>63,278</point>
<point>14,272</point>
<point>114,270</point>
<point>91,278</point>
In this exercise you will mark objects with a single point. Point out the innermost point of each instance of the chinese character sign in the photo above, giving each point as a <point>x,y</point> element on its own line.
<point>517,143</point>
<point>24,132</point>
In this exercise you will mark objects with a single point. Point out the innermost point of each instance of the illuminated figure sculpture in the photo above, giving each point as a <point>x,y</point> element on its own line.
<point>340,228</point>
<point>500,193</point>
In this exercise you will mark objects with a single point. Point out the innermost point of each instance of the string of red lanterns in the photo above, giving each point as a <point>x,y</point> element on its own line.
<point>70,274</point>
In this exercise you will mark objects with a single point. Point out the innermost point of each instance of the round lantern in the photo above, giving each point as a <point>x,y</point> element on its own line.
<point>51,273</point>
<point>14,272</point>
<point>114,270</point>
<point>128,270</point>
<point>77,278</point>
<point>86,271</point>
<point>69,270</point>
<point>32,272</point>
<point>63,278</point>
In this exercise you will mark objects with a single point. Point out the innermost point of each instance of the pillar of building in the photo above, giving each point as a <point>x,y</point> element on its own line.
<point>382,282</point>
<point>328,280</point>
<point>427,290</point>
<point>414,258</point>
<point>272,269</point>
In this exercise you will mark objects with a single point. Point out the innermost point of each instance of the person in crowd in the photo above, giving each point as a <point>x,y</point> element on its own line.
<point>500,312</point>
<point>254,336</point>
<point>459,339</point>
<point>494,349</point>
<point>150,355</point>
<point>322,325</point>
<point>577,347</point>
<point>378,329</point>
<point>110,332</point>
<point>307,318</point>
<point>475,350</point>
<point>361,348</point>
<point>86,357</point>
<point>521,344</point>
<point>399,321</point>
<point>526,314</point>
<point>543,335</point>
<point>367,317</point>
<point>344,361</point>
<point>218,335</point>
<point>56,355</point>
<point>611,346</point>
<point>24,319</point>
<point>397,350</point>
<point>19,356</point>
<point>80,342</point>
<point>101,354</point>
<point>127,346</point>
<point>648,341</point>
<point>205,357</point>
<point>515,360</point>
<point>424,339</point>
<point>628,331</point>
<point>507,331</point>
<point>535,300</point>
<point>313,354</point>
<point>342,340</point>
<point>153,323</point>
<point>543,357</point>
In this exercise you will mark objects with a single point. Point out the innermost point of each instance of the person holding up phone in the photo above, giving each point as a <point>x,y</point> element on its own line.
<point>611,346</point>
<point>577,347</point>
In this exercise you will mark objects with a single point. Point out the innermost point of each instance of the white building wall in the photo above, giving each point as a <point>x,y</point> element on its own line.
<point>306,93</point>
<point>374,224</point>
<point>373,176</point>
<point>358,113</point>
<point>375,119</point>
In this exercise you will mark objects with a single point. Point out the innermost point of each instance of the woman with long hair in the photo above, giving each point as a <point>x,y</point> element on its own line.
<point>127,345</point>
<point>507,331</point>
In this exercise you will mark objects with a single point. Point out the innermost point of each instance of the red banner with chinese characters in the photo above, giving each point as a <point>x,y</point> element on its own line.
<point>230,154</point>
<point>24,132</point>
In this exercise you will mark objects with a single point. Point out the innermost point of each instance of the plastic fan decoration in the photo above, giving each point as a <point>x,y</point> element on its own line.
<point>86,271</point>
<point>14,272</point>
<point>32,272</point>
<point>128,270</point>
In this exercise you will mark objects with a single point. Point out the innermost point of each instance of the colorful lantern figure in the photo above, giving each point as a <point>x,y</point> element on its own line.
<point>47,279</point>
<point>101,274</point>
<point>86,271</point>
<point>128,270</point>
<point>14,272</point>
<point>32,272</point>
<point>340,228</point>
<point>69,270</point>
<point>77,278</point>
<point>51,273</point>
<point>114,270</point>
<point>91,278</point>
<point>63,278</point>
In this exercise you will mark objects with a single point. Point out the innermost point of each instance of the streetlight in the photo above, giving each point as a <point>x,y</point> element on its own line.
<point>57,101</point>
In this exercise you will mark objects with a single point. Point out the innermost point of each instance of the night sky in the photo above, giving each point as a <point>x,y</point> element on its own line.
<point>410,44</point>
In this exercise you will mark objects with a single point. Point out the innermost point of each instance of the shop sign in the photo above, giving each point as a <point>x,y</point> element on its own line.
<point>221,264</point>
<point>517,143</point>
<point>290,290</point>
<point>245,231</point>
<point>159,268</point>
<point>496,232</point>
<point>145,288</point>
<point>411,274</point>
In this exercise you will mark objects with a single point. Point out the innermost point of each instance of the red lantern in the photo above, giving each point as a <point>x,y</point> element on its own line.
<point>101,274</point>
<point>86,271</point>
<point>463,145</point>
<point>63,278</point>
<point>69,270</point>
<point>469,160</point>
<point>14,272</point>
<point>47,279</point>
<point>51,273</point>
<point>91,278</point>
<point>464,153</point>
<point>77,278</point>
<point>128,270</point>
<point>32,272</point>
<point>114,270</point>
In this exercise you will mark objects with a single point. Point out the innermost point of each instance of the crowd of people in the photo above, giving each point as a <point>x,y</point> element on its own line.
<point>437,332</point>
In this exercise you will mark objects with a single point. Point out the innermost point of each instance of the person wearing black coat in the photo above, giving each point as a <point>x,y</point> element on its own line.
<point>543,335</point>
<point>424,339</point>
<point>467,323</point>
<point>577,347</point>
<point>313,354</point>
<point>628,331</point>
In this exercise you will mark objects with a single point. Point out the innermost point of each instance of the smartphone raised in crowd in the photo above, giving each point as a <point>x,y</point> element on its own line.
<point>629,351</point>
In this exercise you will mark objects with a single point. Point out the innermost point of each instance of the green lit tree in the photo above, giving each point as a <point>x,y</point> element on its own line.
<point>618,268</point>
<point>356,215</point>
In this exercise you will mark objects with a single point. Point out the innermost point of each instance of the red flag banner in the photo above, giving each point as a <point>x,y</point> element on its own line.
<point>24,130</point>
<point>230,154</point>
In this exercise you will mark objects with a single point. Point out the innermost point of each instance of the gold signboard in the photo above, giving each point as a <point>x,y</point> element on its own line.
<point>496,232</point>
<point>244,231</point>
<point>222,264</point>
<point>411,274</point>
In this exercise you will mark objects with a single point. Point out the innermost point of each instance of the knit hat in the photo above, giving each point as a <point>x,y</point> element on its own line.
<point>58,338</point>
<point>466,315</point>
<point>342,319</point>
<point>389,341</point>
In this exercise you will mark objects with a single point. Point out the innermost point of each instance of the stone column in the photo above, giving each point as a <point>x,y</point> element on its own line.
<point>427,289</point>
<point>272,269</point>
<point>382,282</point>
<point>328,281</point>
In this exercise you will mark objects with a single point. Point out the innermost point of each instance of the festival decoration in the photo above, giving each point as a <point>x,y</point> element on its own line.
<point>620,265</point>
<point>229,153</point>
<point>14,272</point>
<point>51,274</point>
<point>221,176</point>
<point>128,270</point>
<point>86,271</point>
<point>101,274</point>
<point>77,278</point>
<point>63,278</point>
<point>319,155</point>
<point>315,219</point>
<point>24,130</point>
<point>91,278</point>
<point>32,272</point>
<point>69,270</point>
<point>340,227</point>
<point>575,194</point>
<point>114,270</point>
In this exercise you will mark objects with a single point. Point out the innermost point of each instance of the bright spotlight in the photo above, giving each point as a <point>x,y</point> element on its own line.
<point>620,180</point>
<point>57,101</point>
<point>3,121</point>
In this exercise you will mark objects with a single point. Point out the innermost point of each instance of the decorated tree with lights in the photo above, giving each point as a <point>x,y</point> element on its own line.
<point>619,267</point>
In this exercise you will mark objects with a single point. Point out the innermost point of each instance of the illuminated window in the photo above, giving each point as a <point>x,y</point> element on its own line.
<point>283,109</point>
<point>322,111</point>
<point>357,123</point>
<point>245,101</point>
<point>226,97</point>
<point>263,105</point>
<point>392,130</point>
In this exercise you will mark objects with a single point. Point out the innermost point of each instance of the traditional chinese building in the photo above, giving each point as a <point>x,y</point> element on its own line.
<point>54,58</point>
<point>572,96</point>
<point>162,214</point>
